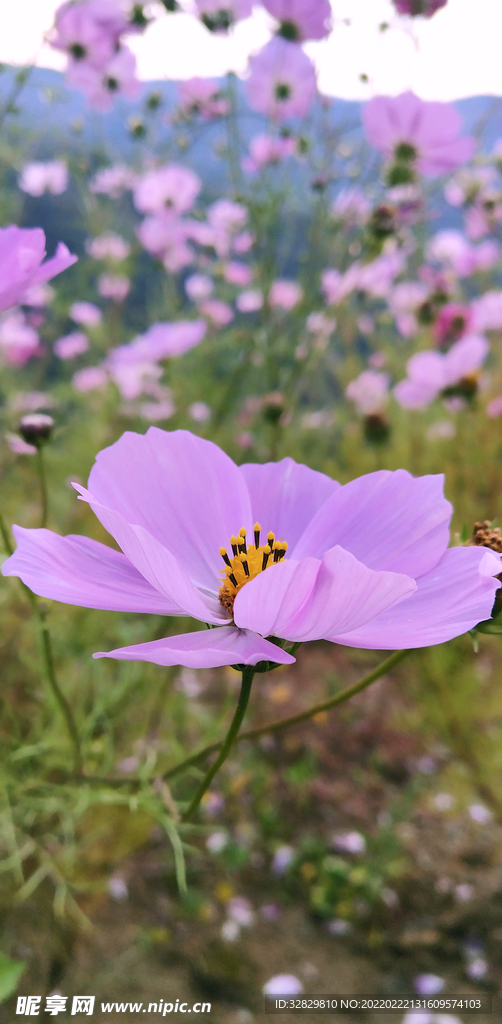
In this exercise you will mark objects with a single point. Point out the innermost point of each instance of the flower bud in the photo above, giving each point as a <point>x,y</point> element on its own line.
<point>36,428</point>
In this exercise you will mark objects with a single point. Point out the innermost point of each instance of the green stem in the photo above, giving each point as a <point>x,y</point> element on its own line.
<point>49,660</point>
<point>240,711</point>
<point>303,716</point>
<point>43,486</point>
<point>58,693</point>
<point>7,543</point>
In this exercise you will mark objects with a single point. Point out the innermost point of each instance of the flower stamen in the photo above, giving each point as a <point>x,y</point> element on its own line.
<point>247,562</point>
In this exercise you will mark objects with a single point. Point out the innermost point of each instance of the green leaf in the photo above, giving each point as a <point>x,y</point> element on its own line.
<point>179,859</point>
<point>10,973</point>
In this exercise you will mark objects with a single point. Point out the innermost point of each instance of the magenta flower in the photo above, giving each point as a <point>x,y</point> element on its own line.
<point>367,563</point>
<point>301,19</point>
<point>112,181</point>
<point>38,177</point>
<point>21,253</point>
<point>18,340</point>
<point>432,373</point>
<point>114,286</point>
<point>90,30</point>
<point>162,341</point>
<point>202,96</point>
<point>267,149</point>
<point>369,392</point>
<point>284,294</point>
<point>71,345</point>
<point>172,188</point>
<point>419,8</point>
<point>108,247</point>
<point>103,85</point>
<point>220,15</point>
<point>408,127</point>
<point>282,81</point>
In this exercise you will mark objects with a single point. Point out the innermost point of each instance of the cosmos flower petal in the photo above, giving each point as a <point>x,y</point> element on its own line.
<point>159,566</point>
<point>308,600</point>
<point>62,259</point>
<point>285,496</point>
<point>184,490</point>
<point>81,571</point>
<point>449,600</point>
<point>210,648</point>
<point>388,520</point>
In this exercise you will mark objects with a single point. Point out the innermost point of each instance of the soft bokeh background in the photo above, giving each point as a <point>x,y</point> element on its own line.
<point>359,851</point>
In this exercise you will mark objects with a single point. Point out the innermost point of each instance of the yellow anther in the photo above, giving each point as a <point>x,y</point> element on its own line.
<point>284,545</point>
<point>233,540</point>
<point>271,538</point>
<point>223,552</point>
<point>242,532</point>
<point>257,527</point>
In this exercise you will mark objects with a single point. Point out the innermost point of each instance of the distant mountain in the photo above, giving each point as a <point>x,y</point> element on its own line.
<point>51,120</point>
<point>49,107</point>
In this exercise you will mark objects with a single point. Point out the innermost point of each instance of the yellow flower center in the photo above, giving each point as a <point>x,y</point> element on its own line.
<point>247,562</point>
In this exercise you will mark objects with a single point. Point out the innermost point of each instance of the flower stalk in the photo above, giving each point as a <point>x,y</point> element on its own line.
<point>48,660</point>
<point>303,716</point>
<point>247,680</point>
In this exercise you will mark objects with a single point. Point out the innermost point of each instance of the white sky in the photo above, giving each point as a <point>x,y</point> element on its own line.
<point>455,54</point>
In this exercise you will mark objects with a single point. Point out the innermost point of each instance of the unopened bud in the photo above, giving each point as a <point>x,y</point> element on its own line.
<point>36,428</point>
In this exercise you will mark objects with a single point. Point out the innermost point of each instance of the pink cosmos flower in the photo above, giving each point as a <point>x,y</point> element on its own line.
<point>173,187</point>
<point>114,286</point>
<point>452,249</point>
<point>487,312</point>
<point>301,19</point>
<point>108,247</point>
<point>85,313</point>
<point>21,253</point>
<point>219,313</point>
<point>452,322</point>
<point>89,30</point>
<point>161,341</point>
<point>430,129</point>
<point>220,15</point>
<point>18,340</point>
<point>154,412</point>
<point>165,236</point>
<point>237,273</point>
<point>431,373</point>
<point>39,177</point>
<point>202,96</point>
<point>403,301</point>
<point>103,85</point>
<point>285,294</point>
<point>367,563</point>
<point>282,81</point>
<point>199,286</point>
<point>267,149</point>
<point>92,378</point>
<point>494,408</point>
<point>243,242</point>
<point>352,206</point>
<point>249,301</point>
<point>132,376</point>
<point>113,181</point>
<point>369,391</point>
<point>71,345</point>
<point>419,8</point>
<point>38,296</point>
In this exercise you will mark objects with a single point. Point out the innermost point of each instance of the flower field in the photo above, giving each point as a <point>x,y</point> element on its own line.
<point>250,517</point>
